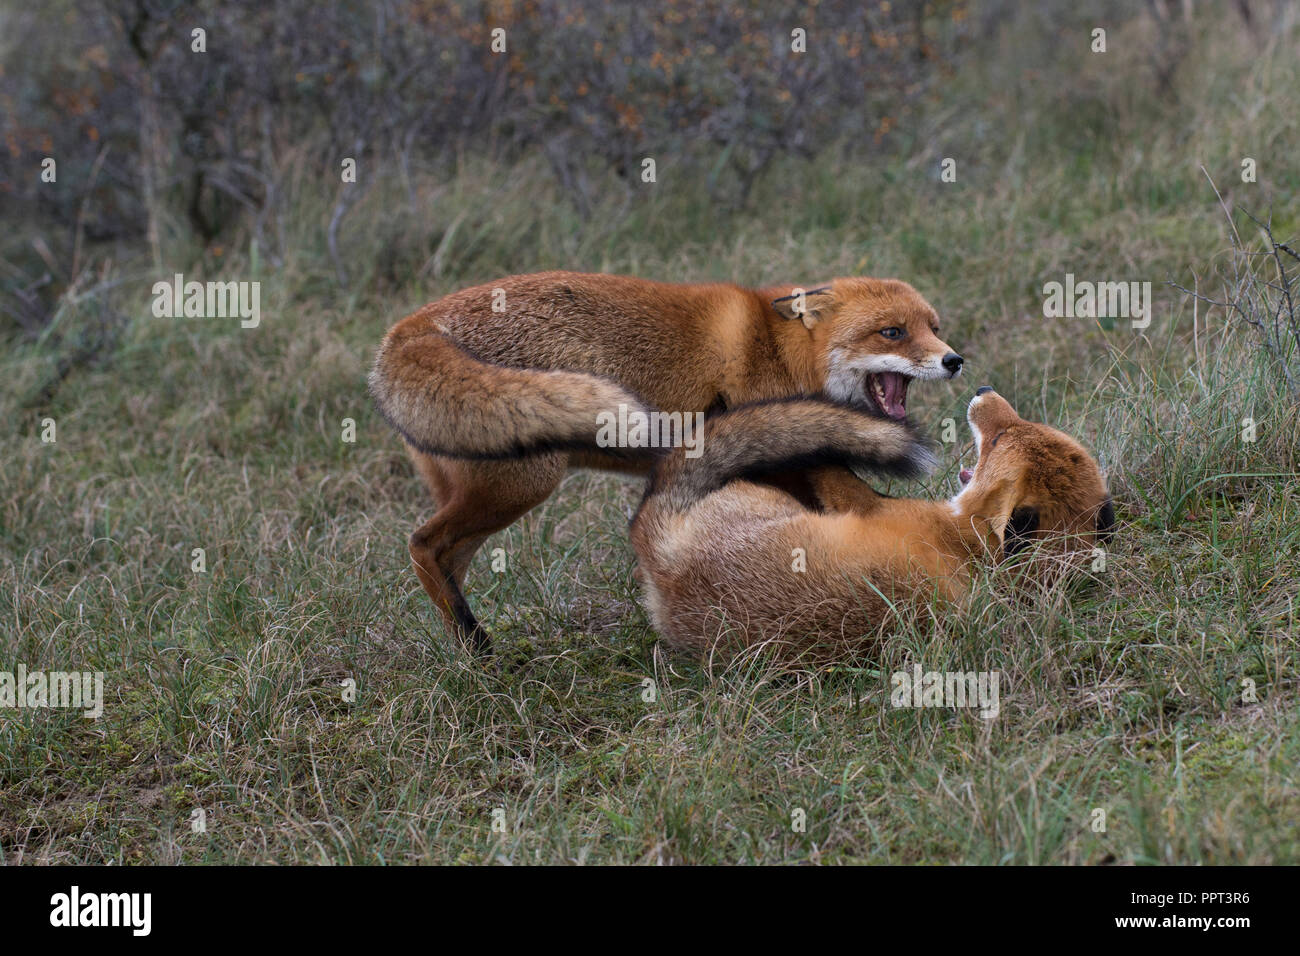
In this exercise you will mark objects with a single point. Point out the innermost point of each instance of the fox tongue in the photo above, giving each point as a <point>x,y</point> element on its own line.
<point>894,397</point>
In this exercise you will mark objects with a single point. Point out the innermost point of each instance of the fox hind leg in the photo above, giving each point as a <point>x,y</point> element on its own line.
<point>475,499</point>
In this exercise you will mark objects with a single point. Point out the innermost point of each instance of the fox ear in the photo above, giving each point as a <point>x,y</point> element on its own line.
<point>1015,535</point>
<point>807,305</point>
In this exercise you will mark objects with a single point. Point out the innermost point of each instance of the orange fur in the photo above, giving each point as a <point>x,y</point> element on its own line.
<point>496,404</point>
<point>721,568</point>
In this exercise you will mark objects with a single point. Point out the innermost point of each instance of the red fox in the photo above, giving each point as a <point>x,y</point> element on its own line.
<point>719,556</point>
<point>497,389</point>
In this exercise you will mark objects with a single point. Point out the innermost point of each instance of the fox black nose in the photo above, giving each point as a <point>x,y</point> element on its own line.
<point>952,362</point>
<point>983,388</point>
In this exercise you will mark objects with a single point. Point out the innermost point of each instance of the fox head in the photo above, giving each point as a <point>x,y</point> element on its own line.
<point>1030,481</point>
<point>872,337</point>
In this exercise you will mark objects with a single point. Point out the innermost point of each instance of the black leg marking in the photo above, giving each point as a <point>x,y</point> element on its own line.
<point>466,623</point>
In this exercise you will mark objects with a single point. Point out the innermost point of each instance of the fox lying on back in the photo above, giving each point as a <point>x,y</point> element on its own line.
<point>497,389</point>
<point>716,551</point>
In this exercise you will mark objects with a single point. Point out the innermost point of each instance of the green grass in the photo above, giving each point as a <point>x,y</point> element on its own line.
<point>1122,693</point>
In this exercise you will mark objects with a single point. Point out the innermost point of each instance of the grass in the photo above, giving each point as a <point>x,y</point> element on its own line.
<point>224,688</point>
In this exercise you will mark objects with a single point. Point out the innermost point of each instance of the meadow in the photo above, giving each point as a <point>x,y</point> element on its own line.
<point>1161,689</point>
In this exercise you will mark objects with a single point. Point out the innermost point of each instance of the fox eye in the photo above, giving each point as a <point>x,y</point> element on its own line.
<point>893,332</point>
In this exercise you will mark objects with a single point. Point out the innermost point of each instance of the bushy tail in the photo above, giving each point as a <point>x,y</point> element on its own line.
<point>788,434</point>
<point>445,401</point>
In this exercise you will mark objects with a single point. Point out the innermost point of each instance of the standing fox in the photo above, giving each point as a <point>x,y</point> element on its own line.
<point>719,555</point>
<point>497,389</point>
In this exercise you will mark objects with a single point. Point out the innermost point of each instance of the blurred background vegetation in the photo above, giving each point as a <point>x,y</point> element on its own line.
<point>158,144</point>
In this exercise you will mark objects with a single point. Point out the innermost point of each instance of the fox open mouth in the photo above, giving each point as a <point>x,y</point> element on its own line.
<point>889,390</point>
